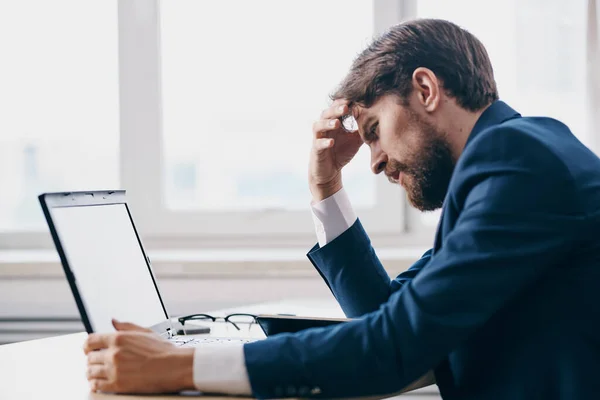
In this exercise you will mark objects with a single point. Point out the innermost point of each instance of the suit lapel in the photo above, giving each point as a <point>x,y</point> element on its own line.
<point>438,232</point>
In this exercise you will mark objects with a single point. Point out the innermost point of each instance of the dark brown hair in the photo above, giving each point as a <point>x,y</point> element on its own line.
<point>456,57</point>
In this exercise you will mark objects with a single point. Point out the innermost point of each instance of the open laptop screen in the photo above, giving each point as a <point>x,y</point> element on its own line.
<point>108,265</point>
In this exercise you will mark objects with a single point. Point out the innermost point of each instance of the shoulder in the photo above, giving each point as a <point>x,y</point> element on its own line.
<point>527,143</point>
<point>512,165</point>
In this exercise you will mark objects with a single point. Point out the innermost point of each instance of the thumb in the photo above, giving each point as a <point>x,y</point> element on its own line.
<point>128,326</point>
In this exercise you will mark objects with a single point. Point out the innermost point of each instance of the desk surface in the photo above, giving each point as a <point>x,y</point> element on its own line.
<point>51,368</point>
<point>55,367</point>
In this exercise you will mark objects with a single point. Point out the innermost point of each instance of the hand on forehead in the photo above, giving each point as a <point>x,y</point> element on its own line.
<point>350,120</point>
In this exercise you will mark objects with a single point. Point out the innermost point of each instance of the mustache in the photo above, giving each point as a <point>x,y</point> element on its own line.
<point>394,168</point>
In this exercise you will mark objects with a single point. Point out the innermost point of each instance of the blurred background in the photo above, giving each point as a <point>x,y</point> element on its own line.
<point>202,111</point>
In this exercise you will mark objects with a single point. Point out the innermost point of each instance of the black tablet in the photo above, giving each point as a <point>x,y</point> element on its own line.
<point>274,324</point>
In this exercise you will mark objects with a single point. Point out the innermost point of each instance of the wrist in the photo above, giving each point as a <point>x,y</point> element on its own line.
<point>181,364</point>
<point>322,191</point>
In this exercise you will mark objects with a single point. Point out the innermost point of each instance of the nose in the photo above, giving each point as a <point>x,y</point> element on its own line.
<point>378,158</point>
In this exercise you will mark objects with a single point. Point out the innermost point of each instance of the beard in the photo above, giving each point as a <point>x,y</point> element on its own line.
<point>427,172</point>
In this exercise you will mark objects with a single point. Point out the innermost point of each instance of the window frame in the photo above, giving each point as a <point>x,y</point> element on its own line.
<point>141,122</point>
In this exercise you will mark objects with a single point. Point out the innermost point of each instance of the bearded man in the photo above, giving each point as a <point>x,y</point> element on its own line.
<point>504,306</point>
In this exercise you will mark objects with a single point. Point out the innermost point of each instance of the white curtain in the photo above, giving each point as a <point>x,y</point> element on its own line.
<point>593,73</point>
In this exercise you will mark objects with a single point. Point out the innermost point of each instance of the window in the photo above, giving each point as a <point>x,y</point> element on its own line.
<point>238,99</point>
<point>202,110</point>
<point>59,102</point>
<point>240,95</point>
<point>129,95</point>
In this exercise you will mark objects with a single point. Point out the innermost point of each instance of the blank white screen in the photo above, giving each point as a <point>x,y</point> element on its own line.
<point>108,264</point>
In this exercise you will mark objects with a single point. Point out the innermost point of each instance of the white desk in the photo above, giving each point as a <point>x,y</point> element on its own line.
<point>55,368</point>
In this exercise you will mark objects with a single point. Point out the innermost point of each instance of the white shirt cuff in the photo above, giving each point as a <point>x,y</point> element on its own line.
<point>332,217</point>
<point>221,368</point>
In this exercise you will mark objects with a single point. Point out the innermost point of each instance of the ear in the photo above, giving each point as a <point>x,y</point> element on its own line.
<point>427,88</point>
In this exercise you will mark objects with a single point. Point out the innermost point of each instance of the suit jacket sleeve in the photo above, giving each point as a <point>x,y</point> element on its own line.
<point>351,269</point>
<point>518,217</point>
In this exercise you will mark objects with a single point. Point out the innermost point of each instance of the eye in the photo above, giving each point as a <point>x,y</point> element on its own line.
<point>372,133</point>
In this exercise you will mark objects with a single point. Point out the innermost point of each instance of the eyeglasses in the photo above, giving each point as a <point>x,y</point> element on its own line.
<point>233,319</point>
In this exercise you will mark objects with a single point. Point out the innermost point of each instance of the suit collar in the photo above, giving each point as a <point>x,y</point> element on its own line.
<point>497,113</point>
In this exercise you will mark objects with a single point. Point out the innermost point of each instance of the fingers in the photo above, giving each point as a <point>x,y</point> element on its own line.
<point>323,144</point>
<point>99,385</point>
<point>322,126</point>
<point>96,341</point>
<point>128,326</point>
<point>96,371</point>
<point>337,109</point>
<point>96,357</point>
<point>331,119</point>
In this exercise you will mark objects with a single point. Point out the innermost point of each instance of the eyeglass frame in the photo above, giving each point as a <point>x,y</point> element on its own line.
<point>201,317</point>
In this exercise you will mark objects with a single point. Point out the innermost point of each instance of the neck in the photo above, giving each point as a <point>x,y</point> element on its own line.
<point>459,126</point>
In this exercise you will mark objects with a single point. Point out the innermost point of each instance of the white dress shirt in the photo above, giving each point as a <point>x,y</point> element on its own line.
<point>222,368</point>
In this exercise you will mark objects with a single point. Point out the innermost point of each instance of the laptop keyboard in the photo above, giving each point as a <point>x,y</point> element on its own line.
<point>182,341</point>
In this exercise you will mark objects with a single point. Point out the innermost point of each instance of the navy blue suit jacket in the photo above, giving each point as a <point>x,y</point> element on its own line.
<point>505,306</point>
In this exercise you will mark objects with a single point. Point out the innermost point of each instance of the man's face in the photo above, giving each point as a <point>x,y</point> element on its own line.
<point>410,150</point>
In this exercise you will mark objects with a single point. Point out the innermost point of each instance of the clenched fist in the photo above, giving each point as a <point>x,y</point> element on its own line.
<point>135,360</point>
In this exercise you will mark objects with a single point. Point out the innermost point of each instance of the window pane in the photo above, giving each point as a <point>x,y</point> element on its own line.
<point>59,102</point>
<point>243,81</point>
<point>537,49</point>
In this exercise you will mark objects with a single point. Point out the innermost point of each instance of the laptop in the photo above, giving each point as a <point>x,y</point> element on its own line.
<point>106,265</point>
